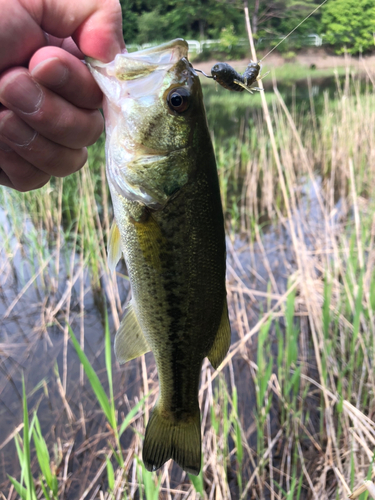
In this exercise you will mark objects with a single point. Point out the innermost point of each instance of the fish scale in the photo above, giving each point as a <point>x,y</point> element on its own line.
<point>187,280</point>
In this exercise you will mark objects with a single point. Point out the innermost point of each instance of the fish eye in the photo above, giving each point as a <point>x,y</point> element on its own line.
<point>178,99</point>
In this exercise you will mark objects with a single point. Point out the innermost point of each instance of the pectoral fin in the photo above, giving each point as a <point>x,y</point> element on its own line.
<point>114,247</point>
<point>222,340</point>
<point>130,341</point>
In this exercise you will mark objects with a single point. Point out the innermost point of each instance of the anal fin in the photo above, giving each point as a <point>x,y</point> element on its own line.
<point>130,341</point>
<point>114,247</point>
<point>222,340</point>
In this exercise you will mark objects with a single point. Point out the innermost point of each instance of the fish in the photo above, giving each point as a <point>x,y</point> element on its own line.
<point>169,226</point>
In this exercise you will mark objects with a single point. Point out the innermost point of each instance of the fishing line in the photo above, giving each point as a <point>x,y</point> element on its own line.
<point>298,25</point>
<point>228,77</point>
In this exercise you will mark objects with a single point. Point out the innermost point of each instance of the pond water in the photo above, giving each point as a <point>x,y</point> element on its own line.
<point>226,110</point>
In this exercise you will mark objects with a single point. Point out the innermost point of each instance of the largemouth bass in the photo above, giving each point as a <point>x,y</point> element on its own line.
<point>169,225</point>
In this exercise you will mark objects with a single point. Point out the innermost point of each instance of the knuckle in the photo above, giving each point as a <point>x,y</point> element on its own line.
<point>16,131</point>
<point>80,159</point>
<point>65,163</point>
<point>77,129</point>
<point>97,128</point>
<point>29,179</point>
<point>43,183</point>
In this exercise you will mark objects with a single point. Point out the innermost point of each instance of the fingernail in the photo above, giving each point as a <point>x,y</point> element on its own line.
<point>23,93</point>
<point>5,147</point>
<point>17,131</point>
<point>51,72</point>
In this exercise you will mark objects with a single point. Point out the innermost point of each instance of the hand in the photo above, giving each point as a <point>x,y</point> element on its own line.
<point>48,99</point>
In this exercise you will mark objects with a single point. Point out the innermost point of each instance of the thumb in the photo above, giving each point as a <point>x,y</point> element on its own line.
<point>100,35</point>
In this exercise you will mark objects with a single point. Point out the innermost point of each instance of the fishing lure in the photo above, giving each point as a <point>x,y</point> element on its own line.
<point>230,79</point>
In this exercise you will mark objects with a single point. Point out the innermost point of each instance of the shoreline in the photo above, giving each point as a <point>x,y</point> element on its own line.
<point>318,57</point>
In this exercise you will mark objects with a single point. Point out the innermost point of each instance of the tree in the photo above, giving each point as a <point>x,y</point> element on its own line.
<point>279,17</point>
<point>152,26</point>
<point>157,20</point>
<point>129,20</point>
<point>153,20</point>
<point>349,25</point>
<point>206,18</point>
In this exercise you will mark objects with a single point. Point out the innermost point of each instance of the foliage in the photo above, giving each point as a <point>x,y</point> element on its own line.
<point>129,20</point>
<point>167,19</point>
<point>48,480</point>
<point>346,24</point>
<point>275,20</point>
<point>290,55</point>
<point>230,46</point>
<point>152,26</point>
<point>107,404</point>
<point>207,19</point>
<point>230,43</point>
<point>282,16</point>
<point>349,25</point>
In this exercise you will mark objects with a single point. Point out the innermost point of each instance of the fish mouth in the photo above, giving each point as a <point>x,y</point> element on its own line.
<point>143,71</point>
<point>129,66</point>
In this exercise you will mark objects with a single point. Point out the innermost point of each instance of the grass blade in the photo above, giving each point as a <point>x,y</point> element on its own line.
<point>132,413</point>
<point>26,446</point>
<point>94,381</point>
<point>110,474</point>
<point>198,482</point>
<point>42,453</point>
<point>19,488</point>
<point>108,364</point>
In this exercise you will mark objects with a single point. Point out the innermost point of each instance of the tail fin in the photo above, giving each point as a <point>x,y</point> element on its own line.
<point>166,438</point>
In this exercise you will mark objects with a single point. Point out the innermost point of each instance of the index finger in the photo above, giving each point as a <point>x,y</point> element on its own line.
<point>67,76</point>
